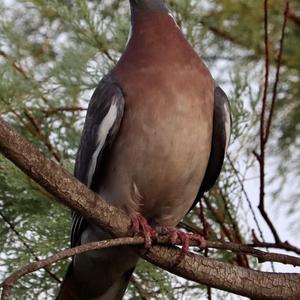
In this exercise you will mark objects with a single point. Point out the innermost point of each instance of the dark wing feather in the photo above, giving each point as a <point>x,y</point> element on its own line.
<point>101,126</point>
<point>220,141</point>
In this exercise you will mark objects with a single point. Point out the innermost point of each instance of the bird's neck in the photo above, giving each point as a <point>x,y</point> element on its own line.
<point>146,6</point>
<point>153,36</point>
<point>152,23</point>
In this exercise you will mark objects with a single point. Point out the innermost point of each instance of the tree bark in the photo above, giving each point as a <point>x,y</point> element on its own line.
<point>69,191</point>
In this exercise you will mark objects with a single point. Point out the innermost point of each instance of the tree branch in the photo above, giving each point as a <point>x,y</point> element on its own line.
<point>266,124</point>
<point>278,66</point>
<point>293,17</point>
<point>71,192</point>
<point>10,281</point>
<point>21,239</point>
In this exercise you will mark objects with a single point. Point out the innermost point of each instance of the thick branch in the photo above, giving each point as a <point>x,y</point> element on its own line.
<point>77,196</point>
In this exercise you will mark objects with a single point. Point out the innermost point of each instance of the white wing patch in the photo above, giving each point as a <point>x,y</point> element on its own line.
<point>227,123</point>
<point>173,19</point>
<point>129,36</point>
<point>103,130</point>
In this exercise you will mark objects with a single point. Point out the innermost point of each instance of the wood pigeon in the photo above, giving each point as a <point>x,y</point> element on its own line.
<point>154,141</point>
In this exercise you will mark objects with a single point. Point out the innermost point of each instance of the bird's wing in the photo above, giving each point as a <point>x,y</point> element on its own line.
<point>101,126</point>
<point>220,141</point>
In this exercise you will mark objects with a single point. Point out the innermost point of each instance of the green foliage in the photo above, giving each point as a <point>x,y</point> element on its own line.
<point>52,55</point>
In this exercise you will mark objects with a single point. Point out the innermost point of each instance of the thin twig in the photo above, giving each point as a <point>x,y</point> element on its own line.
<point>15,65</point>
<point>205,234</point>
<point>261,156</point>
<point>292,16</point>
<point>236,172</point>
<point>31,119</point>
<point>26,245</point>
<point>42,136</point>
<point>142,292</point>
<point>219,219</point>
<point>242,259</point>
<point>203,220</point>
<point>53,111</point>
<point>282,245</point>
<point>279,60</point>
<point>21,70</point>
<point>9,282</point>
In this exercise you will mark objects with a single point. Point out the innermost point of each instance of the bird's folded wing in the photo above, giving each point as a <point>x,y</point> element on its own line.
<point>103,119</point>
<point>220,141</point>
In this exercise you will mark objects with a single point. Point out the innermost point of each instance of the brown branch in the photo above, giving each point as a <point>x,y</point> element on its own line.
<point>26,245</point>
<point>265,131</point>
<point>237,174</point>
<point>250,250</point>
<point>205,232</point>
<point>282,245</point>
<point>37,130</point>
<point>263,110</point>
<point>71,192</point>
<point>292,16</point>
<point>220,220</point>
<point>16,66</point>
<point>9,282</point>
<point>41,136</point>
<point>261,156</point>
<point>24,73</point>
<point>203,221</point>
<point>279,60</point>
<point>242,259</point>
<point>144,295</point>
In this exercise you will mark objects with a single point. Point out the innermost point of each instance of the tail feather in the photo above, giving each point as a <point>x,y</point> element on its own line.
<point>101,274</point>
<point>72,289</point>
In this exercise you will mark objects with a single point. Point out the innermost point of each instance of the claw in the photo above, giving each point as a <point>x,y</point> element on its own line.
<point>141,226</point>
<point>185,238</point>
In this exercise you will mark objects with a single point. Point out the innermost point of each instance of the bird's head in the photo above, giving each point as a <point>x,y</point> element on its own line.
<point>148,5</point>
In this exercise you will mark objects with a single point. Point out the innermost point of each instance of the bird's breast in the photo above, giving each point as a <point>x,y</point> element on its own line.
<point>160,155</point>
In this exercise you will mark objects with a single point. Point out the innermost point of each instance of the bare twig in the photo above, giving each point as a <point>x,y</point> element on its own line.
<point>53,111</point>
<point>142,292</point>
<point>205,233</point>
<point>236,172</point>
<point>242,259</point>
<point>282,245</point>
<point>279,60</point>
<point>21,239</point>
<point>32,120</point>
<point>21,70</point>
<point>264,131</point>
<point>13,278</point>
<point>32,267</point>
<point>203,220</point>
<point>41,135</point>
<point>292,16</point>
<point>17,66</point>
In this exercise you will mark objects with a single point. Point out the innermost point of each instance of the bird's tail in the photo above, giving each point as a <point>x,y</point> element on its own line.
<point>72,287</point>
<point>65,291</point>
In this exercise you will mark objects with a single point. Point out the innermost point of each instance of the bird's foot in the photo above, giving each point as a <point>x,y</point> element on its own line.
<point>140,226</point>
<point>185,239</point>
